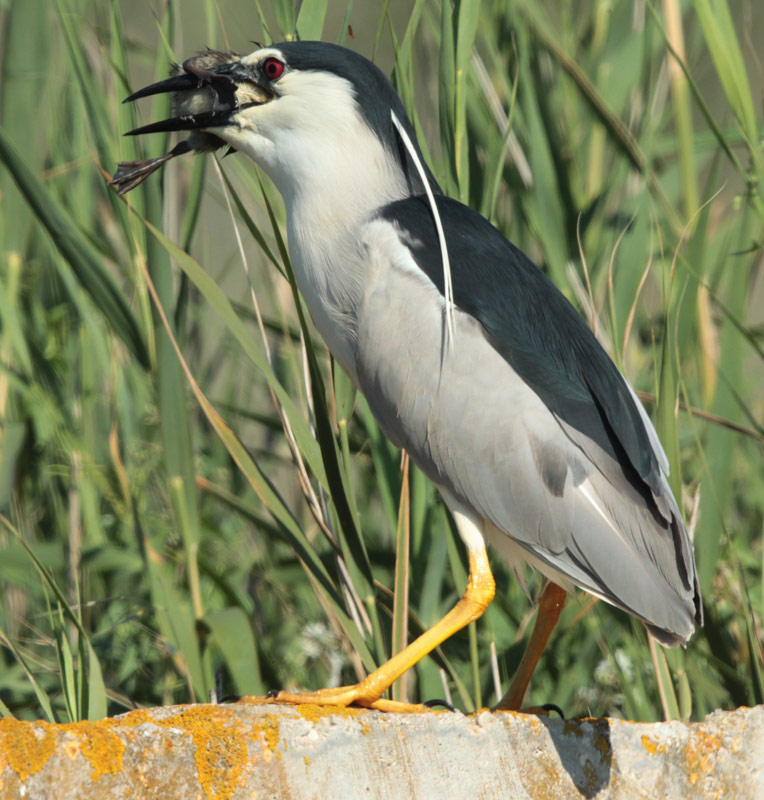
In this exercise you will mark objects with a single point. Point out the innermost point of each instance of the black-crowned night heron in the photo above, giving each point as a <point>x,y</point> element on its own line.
<point>487,377</point>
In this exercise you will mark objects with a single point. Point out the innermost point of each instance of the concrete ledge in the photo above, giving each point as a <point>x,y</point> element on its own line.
<point>259,751</point>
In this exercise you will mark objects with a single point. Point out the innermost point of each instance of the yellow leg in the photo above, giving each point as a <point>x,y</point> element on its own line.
<point>477,596</point>
<point>550,605</point>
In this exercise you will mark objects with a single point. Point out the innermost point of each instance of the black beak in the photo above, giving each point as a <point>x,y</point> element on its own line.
<point>178,83</point>
<point>220,73</point>
<point>190,122</point>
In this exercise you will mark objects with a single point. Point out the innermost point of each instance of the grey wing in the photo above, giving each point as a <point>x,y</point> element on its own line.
<point>477,429</point>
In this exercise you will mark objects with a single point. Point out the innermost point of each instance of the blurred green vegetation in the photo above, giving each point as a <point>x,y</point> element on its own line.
<point>236,519</point>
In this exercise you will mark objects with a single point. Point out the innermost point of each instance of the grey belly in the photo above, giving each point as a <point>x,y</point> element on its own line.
<point>457,415</point>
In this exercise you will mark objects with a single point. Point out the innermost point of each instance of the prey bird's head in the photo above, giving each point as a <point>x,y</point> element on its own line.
<point>310,113</point>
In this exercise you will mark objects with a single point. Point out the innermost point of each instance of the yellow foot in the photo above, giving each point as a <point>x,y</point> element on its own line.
<point>341,697</point>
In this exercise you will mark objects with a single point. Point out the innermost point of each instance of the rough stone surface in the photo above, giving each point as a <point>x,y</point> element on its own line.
<point>261,751</point>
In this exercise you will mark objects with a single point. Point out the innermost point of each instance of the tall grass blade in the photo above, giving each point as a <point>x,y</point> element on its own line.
<point>232,633</point>
<point>310,20</point>
<point>39,692</point>
<point>401,600</point>
<point>268,495</point>
<point>77,251</point>
<point>97,690</point>
<point>220,303</point>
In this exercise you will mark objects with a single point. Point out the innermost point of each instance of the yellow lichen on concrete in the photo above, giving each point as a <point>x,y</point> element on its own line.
<point>543,778</point>
<point>219,737</point>
<point>104,751</point>
<point>98,743</point>
<point>602,737</point>
<point>220,742</point>
<point>698,752</point>
<point>218,752</point>
<point>269,729</point>
<point>601,741</point>
<point>26,746</point>
<point>513,717</point>
<point>652,747</point>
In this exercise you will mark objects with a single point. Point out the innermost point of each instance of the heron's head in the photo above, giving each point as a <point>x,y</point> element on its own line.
<point>305,111</point>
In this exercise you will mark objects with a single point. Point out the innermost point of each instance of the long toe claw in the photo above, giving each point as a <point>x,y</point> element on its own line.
<point>435,702</point>
<point>553,707</point>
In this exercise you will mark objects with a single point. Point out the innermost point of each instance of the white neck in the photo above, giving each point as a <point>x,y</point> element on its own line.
<point>333,172</point>
<point>325,215</point>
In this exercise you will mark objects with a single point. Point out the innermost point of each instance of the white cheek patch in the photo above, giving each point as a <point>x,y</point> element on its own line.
<point>260,55</point>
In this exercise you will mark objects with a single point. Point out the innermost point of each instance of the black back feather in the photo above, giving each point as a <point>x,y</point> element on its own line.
<point>534,327</point>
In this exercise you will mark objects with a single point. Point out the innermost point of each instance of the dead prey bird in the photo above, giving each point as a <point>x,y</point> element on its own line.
<point>204,91</point>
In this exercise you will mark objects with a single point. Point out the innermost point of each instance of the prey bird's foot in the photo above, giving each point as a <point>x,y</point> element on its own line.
<point>130,174</point>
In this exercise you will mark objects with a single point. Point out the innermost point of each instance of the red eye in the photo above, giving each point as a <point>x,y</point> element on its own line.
<point>273,68</point>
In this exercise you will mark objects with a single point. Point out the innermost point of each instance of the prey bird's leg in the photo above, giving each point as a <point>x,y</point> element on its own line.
<point>477,596</point>
<point>550,605</point>
<point>130,174</point>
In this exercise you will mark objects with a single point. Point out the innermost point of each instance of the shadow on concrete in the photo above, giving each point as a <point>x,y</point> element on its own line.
<point>585,751</point>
